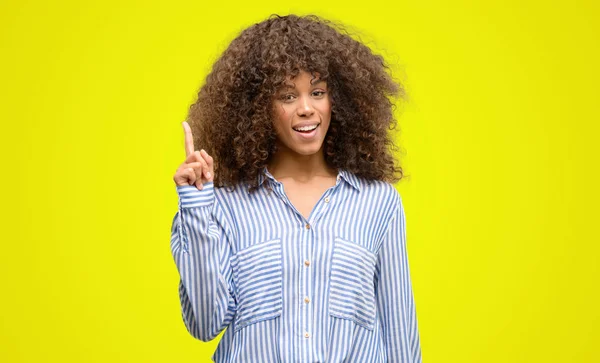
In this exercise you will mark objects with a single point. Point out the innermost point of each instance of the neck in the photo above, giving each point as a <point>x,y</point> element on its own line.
<point>285,164</point>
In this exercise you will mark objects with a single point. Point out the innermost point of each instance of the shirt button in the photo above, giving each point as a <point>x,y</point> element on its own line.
<point>307,226</point>
<point>306,335</point>
<point>306,262</point>
<point>306,300</point>
<point>327,200</point>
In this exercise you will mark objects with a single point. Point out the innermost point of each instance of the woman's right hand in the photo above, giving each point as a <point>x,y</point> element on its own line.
<point>197,168</point>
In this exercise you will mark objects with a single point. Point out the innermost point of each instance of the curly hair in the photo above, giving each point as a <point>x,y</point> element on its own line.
<point>232,118</point>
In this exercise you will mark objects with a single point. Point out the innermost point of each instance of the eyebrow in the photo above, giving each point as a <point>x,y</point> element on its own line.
<point>313,82</point>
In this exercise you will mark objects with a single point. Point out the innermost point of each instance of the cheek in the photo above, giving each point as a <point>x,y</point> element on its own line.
<point>281,115</point>
<point>279,119</point>
<point>325,109</point>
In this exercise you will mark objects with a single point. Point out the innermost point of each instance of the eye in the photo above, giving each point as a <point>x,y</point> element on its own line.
<point>318,93</point>
<point>287,97</point>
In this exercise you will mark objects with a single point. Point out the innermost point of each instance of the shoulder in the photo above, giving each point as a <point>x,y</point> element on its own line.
<point>237,198</point>
<point>378,190</point>
<point>378,199</point>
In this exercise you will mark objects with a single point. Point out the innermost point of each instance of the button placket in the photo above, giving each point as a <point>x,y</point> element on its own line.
<point>306,280</point>
<point>324,204</point>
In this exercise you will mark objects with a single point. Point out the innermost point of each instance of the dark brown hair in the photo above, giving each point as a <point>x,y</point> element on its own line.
<point>232,117</point>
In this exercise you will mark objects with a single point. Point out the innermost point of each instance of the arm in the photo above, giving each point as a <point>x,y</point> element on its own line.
<point>395,300</point>
<point>201,250</point>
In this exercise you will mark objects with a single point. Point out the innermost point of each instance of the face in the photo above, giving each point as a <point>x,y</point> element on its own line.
<point>302,111</point>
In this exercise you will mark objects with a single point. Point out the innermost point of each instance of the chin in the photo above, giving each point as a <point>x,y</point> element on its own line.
<point>307,152</point>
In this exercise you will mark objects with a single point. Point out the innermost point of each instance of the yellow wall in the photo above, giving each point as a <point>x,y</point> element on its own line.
<point>500,139</point>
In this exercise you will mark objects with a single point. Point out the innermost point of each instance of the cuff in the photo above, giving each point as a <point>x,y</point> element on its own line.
<point>190,196</point>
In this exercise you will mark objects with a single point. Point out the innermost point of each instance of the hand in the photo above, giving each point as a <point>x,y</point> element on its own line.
<point>197,168</point>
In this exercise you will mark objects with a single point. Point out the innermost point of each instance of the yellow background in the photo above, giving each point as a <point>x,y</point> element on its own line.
<point>500,140</point>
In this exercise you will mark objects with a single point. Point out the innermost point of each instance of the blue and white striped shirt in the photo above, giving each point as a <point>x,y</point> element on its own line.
<point>333,288</point>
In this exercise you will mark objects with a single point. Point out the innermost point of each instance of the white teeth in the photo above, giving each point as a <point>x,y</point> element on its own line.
<point>306,128</point>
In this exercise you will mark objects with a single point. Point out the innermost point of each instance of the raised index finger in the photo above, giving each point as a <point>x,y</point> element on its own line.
<point>189,139</point>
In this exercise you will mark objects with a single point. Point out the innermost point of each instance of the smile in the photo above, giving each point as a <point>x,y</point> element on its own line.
<point>307,132</point>
<point>306,129</point>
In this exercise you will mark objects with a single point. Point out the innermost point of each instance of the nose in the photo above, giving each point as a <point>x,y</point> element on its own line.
<point>305,107</point>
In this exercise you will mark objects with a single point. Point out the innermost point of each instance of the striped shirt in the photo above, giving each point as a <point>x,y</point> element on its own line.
<point>331,288</point>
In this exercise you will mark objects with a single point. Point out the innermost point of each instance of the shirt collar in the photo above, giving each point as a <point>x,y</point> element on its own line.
<point>347,176</point>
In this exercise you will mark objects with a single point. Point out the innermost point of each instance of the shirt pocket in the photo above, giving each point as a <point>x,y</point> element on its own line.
<point>259,282</point>
<point>351,286</point>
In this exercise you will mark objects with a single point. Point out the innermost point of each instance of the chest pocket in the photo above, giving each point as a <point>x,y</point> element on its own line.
<point>258,273</point>
<point>351,287</point>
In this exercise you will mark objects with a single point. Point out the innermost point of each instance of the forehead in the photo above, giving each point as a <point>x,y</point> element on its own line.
<point>313,78</point>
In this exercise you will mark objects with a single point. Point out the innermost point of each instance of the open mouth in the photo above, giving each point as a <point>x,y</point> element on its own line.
<point>306,129</point>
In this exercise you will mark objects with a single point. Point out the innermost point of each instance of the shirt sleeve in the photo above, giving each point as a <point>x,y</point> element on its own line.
<point>200,245</point>
<point>395,300</point>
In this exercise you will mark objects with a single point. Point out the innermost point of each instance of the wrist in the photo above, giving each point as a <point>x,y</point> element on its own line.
<point>190,196</point>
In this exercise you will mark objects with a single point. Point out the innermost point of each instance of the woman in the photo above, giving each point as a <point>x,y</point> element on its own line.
<point>289,232</point>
